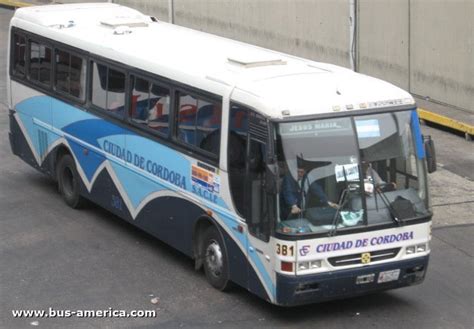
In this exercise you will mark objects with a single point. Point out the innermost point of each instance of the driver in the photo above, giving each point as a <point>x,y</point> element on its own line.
<point>294,193</point>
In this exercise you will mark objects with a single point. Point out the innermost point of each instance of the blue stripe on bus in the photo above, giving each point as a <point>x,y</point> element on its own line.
<point>136,186</point>
<point>89,162</point>
<point>415,126</point>
<point>91,130</point>
<point>38,107</point>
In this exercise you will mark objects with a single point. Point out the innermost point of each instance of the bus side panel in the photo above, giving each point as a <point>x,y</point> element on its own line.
<point>117,186</point>
<point>105,194</point>
<point>170,219</point>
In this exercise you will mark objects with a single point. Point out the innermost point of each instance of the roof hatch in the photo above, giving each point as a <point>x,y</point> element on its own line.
<point>124,21</point>
<point>255,60</point>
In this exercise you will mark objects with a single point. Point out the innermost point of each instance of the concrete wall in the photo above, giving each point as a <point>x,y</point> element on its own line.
<point>310,29</point>
<point>442,52</point>
<point>424,46</point>
<point>157,8</point>
<point>383,40</point>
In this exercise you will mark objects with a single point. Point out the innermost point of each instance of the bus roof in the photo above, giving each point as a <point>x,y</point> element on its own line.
<point>276,84</point>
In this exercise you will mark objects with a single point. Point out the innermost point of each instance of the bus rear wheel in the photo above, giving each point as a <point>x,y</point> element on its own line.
<point>215,259</point>
<point>68,182</point>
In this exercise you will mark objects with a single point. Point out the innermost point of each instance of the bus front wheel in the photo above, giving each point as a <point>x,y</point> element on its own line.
<point>215,259</point>
<point>68,182</point>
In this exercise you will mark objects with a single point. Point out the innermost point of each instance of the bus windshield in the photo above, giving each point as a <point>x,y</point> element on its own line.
<point>349,172</point>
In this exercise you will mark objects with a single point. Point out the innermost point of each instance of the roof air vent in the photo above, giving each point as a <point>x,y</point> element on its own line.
<point>124,21</point>
<point>255,61</point>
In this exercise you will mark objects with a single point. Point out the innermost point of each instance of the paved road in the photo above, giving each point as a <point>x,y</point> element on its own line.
<point>53,256</point>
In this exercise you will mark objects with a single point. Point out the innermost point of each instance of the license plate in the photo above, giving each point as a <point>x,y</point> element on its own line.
<point>363,279</point>
<point>388,276</point>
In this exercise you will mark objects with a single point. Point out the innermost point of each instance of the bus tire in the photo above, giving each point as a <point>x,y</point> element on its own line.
<point>215,259</point>
<point>68,182</point>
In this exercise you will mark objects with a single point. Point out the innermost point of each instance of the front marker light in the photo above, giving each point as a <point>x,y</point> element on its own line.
<point>411,250</point>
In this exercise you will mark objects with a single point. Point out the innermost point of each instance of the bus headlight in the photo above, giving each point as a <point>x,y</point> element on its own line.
<point>421,248</point>
<point>411,250</point>
<point>416,248</point>
<point>315,264</point>
<point>303,266</point>
<point>312,265</point>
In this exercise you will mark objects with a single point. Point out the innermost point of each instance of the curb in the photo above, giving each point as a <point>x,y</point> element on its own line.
<point>9,4</point>
<point>447,122</point>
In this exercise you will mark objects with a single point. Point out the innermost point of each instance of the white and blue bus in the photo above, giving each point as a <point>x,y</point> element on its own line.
<point>299,181</point>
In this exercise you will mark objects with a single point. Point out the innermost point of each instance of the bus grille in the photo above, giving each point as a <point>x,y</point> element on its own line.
<point>355,259</point>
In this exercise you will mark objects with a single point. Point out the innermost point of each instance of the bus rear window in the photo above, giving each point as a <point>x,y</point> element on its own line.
<point>19,55</point>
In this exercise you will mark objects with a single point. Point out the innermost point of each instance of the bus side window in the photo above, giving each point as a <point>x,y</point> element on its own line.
<point>159,110</point>
<point>116,92</point>
<point>108,89</point>
<point>40,63</point>
<point>77,77</point>
<point>150,105</point>
<point>19,55</point>
<point>70,74</point>
<point>199,123</point>
<point>140,100</point>
<point>99,85</point>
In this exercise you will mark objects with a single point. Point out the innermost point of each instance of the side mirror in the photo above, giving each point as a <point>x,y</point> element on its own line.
<point>430,154</point>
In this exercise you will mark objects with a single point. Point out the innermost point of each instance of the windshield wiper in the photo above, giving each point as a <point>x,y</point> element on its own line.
<point>387,203</point>
<point>340,203</point>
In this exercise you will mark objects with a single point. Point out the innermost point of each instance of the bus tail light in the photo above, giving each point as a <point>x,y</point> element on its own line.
<point>287,267</point>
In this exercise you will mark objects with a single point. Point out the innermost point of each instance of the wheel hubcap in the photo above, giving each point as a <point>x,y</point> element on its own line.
<point>214,259</point>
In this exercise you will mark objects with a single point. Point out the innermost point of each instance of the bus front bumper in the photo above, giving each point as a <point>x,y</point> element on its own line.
<point>305,289</point>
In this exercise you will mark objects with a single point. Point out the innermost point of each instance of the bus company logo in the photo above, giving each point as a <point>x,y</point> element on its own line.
<point>205,183</point>
<point>304,250</point>
<point>365,258</point>
<point>205,179</point>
